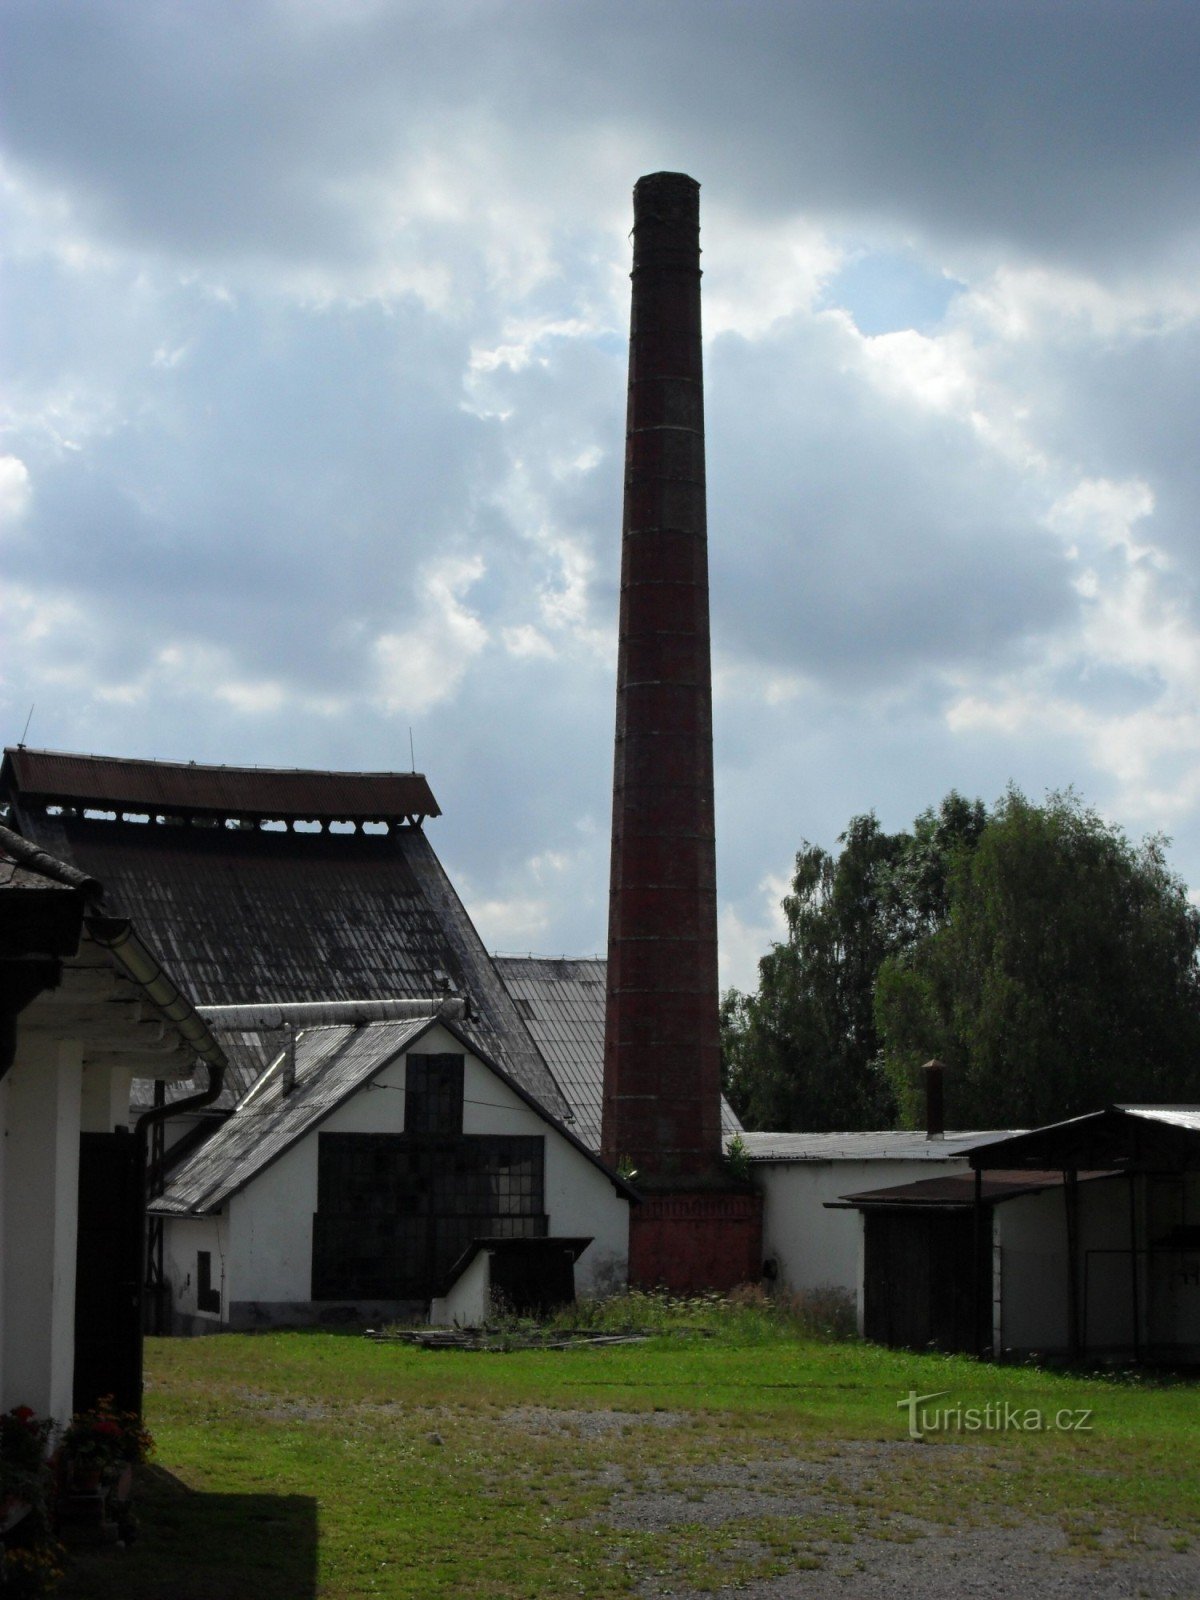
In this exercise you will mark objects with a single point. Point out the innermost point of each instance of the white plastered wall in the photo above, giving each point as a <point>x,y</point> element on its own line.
<point>40,1209</point>
<point>1031,1263</point>
<point>1171,1276</point>
<point>816,1248</point>
<point>183,1239</point>
<point>469,1302</point>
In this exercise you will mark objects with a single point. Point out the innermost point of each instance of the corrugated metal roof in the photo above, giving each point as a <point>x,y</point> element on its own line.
<point>331,1064</point>
<point>562,1003</point>
<point>250,916</point>
<point>110,783</point>
<point>897,1145</point>
<point>1173,1116</point>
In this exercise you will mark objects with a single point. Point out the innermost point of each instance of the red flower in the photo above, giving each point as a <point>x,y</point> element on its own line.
<point>23,1413</point>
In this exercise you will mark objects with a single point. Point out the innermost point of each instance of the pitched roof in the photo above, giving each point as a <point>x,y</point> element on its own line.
<point>52,912</point>
<point>184,788</point>
<point>562,1002</point>
<point>1132,1137</point>
<point>332,1064</point>
<point>255,915</point>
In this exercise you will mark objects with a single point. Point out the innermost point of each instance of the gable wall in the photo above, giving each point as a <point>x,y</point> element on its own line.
<point>268,1257</point>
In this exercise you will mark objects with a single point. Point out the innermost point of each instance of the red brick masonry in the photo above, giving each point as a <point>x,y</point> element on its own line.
<point>697,1239</point>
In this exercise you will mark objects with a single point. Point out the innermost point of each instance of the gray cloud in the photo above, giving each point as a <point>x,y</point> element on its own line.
<point>244,129</point>
<point>316,339</point>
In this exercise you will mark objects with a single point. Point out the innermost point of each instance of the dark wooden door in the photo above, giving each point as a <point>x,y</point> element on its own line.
<point>922,1287</point>
<point>108,1324</point>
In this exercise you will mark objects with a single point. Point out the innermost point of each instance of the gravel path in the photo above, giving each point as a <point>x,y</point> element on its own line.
<point>851,1553</point>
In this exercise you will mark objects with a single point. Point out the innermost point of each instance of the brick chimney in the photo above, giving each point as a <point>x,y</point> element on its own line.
<point>662,1085</point>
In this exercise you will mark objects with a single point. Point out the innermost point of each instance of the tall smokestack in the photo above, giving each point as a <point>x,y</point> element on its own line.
<point>662,1045</point>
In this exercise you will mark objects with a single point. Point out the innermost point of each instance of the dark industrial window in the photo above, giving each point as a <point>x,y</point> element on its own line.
<point>395,1211</point>
<point>207,1298</point>
<point>434,1102</point>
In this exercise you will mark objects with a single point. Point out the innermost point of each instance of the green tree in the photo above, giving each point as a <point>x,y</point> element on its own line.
<point>1059,974</point>
<point>802,1052</point>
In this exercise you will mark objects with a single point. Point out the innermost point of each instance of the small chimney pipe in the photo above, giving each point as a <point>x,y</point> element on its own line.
<point>287,1073</point>
<point>935,1112</point>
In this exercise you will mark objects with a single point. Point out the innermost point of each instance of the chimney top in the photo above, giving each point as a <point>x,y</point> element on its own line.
<point>935,1115</point>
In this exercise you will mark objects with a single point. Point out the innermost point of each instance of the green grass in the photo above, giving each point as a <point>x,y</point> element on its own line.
<point>320,1464</point>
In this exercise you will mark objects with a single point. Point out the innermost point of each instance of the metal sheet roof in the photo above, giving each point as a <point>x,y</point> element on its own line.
<point>895,1145</point>
<point>331,1064</point>
<point>246,916</point>
<point>1173,1116</point>
<point>107,783</point>
<point>562,1003</point>
<point>1135,1138</point>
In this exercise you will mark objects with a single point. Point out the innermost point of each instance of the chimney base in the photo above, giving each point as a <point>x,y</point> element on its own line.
<point>693,1239</point>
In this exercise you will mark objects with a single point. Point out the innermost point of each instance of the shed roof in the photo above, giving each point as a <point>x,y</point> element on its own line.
<point>1133,1138</point>
<point>253,916</point>
<point>886,1145</point>
<point>562,1002</point>
<point>955,1191</point>
<point>185,788</point>
<point>331,1064</point>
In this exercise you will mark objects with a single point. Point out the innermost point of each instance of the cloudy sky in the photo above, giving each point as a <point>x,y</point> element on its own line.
<point>315,320</point>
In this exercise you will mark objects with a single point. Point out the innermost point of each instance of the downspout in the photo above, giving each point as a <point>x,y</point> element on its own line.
<point>116,934</point>
<point>148,1119</point>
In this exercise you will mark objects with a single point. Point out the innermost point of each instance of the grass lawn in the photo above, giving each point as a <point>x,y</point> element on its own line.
<point>323,1464</point>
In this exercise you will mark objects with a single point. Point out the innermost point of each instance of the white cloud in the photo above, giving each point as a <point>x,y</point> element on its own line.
<point>525,642</point>
<point>748,928</point>
<point>15,489</point>
<point>423,666</point>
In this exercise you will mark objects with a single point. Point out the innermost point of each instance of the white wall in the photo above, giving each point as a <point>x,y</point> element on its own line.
<point>1031,1234</point>
<point>469,1302</point>
<point>183,1239</point>
<point>816,1248</point>
<point>1172,1297</point>
<point>40,1215</point>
